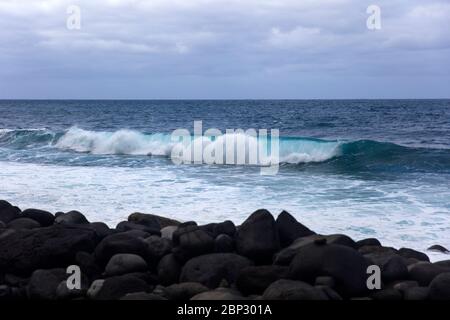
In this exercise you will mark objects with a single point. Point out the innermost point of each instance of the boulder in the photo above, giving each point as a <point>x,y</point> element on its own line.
<point>440,287</point>
<point>24,251</point>
<point>44,218</point>
<point>167,232</point>
<point>183,291</point>
<point>182,228</point>
<point>116,287</point>
<point>256,279</point>
<point>94,288</point>
<point>227,227</point>
<point>8,212</point>
<point>438,248</point>
<point>101,229</point>
<point>394,269</point>
<point>120,243</point>
<point>122,263</point>
<point>88,264</point>
<point>346,265</point>
<point>290,229</point>
<point>44,283</point>
<point>71,217</point>
<point>285,256</point>
<point>223,243</point>
<point>128,226</point>
<point>325,281</point>
<point>169,270</point>
<point>424,272</point>
<point>367,242</point>
<point>219,294</point>
<point>194,243</point>
<point>23,223</point>
<point>257,238</point>
<point>152,220</point>
<point>158,247</point>
<point>410,253</point>
<point>284,289</point>
<point>211,269</point>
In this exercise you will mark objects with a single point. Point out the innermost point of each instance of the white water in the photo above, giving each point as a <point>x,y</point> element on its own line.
<point>396,212</point>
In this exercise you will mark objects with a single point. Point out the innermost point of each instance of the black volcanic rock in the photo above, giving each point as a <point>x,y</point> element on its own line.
<point>23,223</point>
<point>8,212</point>
<point>368,242</point>
<point>440,287</point>
<point>194,243</point>
<point>438,248</point>
<point>130,226</point>
<point>123,263</point>
<point>257,238</point>
<point>255,279</point>
<point>290,229</point>
<point>118,286</point>
<point>184,291</point>
<point>44,218</point>
<point>293,290</point>
<point>414,254</point>
<point>24,251</point>
<point>394,269</point>
<point>152,220</point>
<point>71,217</point>
<point>223,243</point>
<point>424,272</point>
<point>44,283</point>
<point>120,243</point>
<point>168,269</point>
<point>346,265</point>
<point>211,269</point>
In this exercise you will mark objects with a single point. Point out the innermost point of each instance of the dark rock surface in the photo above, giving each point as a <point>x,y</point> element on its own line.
<point>150,257</point>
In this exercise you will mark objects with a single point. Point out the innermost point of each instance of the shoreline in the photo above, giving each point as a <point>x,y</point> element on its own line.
<point>149,257</point>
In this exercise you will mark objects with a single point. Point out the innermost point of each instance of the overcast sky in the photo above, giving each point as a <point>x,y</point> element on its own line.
<point>224,49</point>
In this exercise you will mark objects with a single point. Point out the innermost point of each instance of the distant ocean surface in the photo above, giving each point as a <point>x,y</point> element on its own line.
<point>367,168</point>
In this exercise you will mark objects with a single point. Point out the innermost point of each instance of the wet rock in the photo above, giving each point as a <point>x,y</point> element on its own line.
<point>167,232</point>
<point>394,269</point>
<point>184,291</point>
<point>256,279</point>
<point>128,226</point>
<point>438,248</point>
<point>227,227</point>
<point>87,264</point>
<point>346,265</point>
<point>125,263</point>
<point>223,243</point>
<point>152,220</point>
<point>285,256</point>
<point>368,242</point>
<point>71,217</point>
<point>402,286</point>
<point>44,218</point>
<point>168,269</point>
<point>101,229</point>
<point>410,253</point>
<point>290,229</point>
<point>183,228</point>
<point>424,272</point>
<point>24,251</point>
<point>120,243</point>
<point>64,293</point>
<point>116,287</point>
<point>8,212</point>
<point>158,247</point>
<point>44,283</point>
<point>219,294</point>
<point>23,223</point>
<point>440,287</point>
<point>194,243</point>
<point>257,238</point>
<point>95,288</point>
<point>293,290</point>
<point>210,269</point>
<point>325,281</point>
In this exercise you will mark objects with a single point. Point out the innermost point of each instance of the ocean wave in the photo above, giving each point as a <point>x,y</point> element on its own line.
<point>292,150</point>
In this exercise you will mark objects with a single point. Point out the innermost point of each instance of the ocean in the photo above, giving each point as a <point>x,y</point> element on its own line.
<point>366,168</point>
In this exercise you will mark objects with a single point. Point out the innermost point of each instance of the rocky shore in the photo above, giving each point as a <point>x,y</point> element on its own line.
<point>149,257</point>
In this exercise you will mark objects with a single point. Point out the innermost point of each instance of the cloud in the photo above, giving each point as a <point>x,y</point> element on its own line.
<point>212,39</point>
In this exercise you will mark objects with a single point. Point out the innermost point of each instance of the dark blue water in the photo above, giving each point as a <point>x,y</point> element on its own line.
<point>367,167</point>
